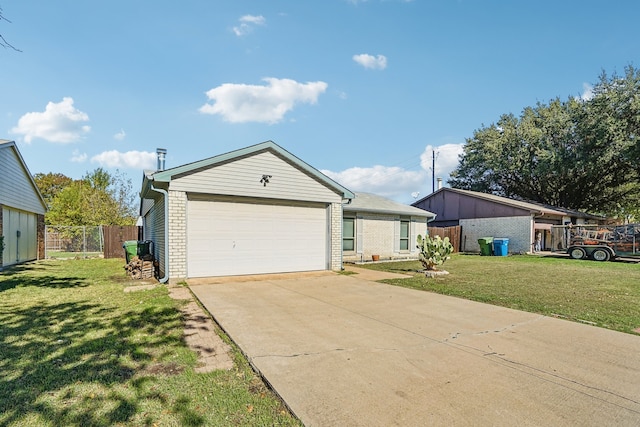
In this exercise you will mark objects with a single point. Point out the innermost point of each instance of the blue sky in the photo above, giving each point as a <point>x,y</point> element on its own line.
<point>362,90</point>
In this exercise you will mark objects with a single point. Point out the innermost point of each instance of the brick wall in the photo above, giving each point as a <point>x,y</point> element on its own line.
<point>177,236</point>
<point>378,238</point>
<point>40,231</point>
<point>335,263</point>
<point>518,229</point>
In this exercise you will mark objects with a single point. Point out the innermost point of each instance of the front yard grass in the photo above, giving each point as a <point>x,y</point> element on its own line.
<point>75,350</point>
<point>605,294</point>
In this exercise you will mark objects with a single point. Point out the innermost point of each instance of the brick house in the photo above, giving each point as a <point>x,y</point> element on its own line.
<point>256,210</point>
<point>488,215</point>
<point>374,225</point>
<point>22,209</point>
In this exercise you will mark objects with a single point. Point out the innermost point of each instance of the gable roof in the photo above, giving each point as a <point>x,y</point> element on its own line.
<point>367,202</point>
<point>7,144</point>
<point>533,207</point>
<point>168,174</point>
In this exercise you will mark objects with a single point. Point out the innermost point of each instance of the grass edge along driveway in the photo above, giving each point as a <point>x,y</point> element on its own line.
<point>604,294</point>
<point>75,350</point>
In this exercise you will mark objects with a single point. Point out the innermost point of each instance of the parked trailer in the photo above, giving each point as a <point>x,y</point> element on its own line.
<point>597,242</point>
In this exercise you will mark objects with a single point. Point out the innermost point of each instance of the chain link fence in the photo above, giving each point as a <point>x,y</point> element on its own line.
<point>64,242</point>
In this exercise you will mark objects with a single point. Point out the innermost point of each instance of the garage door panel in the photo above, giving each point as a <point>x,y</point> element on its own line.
<point>226,238</point>
<point>23,248</point>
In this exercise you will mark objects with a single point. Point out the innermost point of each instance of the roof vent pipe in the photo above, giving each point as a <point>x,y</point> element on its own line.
<point>161,154</point>
<point>439,183</point>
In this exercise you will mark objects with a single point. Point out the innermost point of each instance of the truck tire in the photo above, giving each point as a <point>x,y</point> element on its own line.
<point>577,252</point>
<point>601,255</point>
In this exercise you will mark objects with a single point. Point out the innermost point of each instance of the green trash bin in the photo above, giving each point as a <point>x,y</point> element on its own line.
<point>137,248</point>
<point>485,246</point>
<point>144,247</point>
<point>130,249</point>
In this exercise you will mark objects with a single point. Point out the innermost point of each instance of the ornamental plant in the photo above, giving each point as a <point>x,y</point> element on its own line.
<point>434,251</point>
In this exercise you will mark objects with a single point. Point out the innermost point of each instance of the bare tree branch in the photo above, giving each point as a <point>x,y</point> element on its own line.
<point>3,42</point>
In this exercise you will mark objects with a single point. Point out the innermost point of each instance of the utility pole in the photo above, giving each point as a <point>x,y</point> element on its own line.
<point>433,171</point>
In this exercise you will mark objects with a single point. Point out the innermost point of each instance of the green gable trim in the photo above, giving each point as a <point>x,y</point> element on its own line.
<point>168,174</point>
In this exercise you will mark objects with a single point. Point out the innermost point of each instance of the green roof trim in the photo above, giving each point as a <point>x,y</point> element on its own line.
<point>168,174</point>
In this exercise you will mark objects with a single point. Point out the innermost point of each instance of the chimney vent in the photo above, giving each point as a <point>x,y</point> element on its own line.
<point>162,154</point>
<point>439,183</point>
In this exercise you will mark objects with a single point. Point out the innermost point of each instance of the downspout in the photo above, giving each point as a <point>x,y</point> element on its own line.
<point>166,232</point>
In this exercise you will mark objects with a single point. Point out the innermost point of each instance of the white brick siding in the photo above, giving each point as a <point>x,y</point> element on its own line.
<point>518,229</point>
<point>335,214</point>
<point>177,236</point>
<point>378,236</point>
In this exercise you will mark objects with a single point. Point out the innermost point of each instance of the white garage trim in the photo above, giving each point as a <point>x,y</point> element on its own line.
<point>233,236</point>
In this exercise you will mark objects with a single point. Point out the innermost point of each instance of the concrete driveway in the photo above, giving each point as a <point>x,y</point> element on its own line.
<point>345,351</point>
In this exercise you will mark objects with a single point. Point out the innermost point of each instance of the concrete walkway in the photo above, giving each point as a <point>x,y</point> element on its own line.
<point>344,351</point>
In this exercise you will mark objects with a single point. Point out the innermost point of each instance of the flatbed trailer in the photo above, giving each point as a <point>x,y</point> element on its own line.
<point>597,242</point>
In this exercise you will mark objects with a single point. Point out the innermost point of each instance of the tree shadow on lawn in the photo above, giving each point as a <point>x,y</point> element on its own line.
<point>52,356</point>
<point>20,275</point>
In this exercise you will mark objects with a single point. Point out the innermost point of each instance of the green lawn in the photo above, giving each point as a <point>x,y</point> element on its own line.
<point>72,255</point>
<point>606,294</point>
<point>75,350</point>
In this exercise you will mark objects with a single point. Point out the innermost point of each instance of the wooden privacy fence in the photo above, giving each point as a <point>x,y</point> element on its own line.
<point>453,233</point>
<point>114,238</point>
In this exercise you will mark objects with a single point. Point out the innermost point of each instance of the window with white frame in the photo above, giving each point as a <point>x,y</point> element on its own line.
<point>348,234</point>
<point>404,234</point>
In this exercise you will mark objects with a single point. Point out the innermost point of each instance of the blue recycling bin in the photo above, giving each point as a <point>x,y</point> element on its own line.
<point>500,246</point>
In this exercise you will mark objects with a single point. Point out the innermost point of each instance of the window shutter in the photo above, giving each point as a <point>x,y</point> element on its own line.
<point>359,235</point>
<point>396,235</point>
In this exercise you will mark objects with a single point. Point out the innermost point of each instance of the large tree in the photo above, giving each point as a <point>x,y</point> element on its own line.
<point>579,154</point>
<point>99,198</point>
<point>50,184</point>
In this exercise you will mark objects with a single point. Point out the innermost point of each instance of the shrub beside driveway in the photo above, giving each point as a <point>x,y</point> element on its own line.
<point>605,294</point>
<point>77,350</point>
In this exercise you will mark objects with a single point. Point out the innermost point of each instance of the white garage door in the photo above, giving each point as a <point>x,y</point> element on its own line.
<point>228,238</point>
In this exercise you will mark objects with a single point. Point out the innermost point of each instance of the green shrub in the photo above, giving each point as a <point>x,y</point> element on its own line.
<point>434,251</point>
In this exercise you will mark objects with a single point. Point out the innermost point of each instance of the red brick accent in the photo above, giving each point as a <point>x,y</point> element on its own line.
<point>41,235</point>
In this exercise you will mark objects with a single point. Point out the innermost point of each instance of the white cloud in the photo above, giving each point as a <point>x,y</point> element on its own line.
<point>60,122</point>
<point>247,23</point>
<point>370,61</point>
<point>388,181</point>
<point>128,160</point>
<point>78,157</point>
<point>587,92</point>
<point>446,159</point>
<point>241,103</point>
<point>401,184</point>
<point>253,19</point>
<point>120,135</point>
